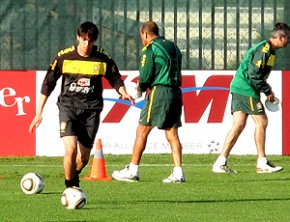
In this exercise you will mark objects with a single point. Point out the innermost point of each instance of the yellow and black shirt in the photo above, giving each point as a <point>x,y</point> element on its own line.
<point>81,85</point>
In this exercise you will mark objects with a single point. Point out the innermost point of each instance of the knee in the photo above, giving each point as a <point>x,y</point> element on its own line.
<point>71,153</point>
<point>84,161</point>
<point>262,124</point>
<point>240,127</point>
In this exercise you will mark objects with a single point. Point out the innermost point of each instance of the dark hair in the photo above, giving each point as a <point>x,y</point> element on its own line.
<point>280,29</point>
<point>151,28</point>
<point>88,29</point>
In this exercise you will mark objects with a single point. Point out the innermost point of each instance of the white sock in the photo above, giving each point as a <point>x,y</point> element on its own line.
<point>133,168</point>
<point>262,160</point>
<point>220,161</point>
<point>177,171</point>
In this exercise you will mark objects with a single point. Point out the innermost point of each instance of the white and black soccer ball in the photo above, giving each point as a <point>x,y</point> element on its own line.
<point>73,198</point>
<point>32,183</point>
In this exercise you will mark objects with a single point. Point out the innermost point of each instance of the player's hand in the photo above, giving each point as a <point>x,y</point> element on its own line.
<point>128,97</point>
<point>271,97</point>
<point>35,123</point>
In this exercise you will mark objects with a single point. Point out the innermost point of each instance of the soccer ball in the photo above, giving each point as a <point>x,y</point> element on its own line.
<point>32,183</point>
<point>73,198</point>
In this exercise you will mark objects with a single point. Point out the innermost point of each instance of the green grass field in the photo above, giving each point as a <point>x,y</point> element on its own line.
<point>245,196</point>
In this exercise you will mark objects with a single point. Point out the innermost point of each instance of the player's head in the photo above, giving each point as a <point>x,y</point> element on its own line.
<point>88,29</point>
<point>281,35</point>
<point>149,31</point>
<point>87,34</point>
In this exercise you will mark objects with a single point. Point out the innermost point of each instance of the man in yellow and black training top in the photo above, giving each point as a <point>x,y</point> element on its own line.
<point>80,101</point>
<point>160,71</point>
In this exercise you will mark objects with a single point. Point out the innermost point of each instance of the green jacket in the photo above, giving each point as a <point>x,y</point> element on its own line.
<point>253,72</point>
<point>160,64</point>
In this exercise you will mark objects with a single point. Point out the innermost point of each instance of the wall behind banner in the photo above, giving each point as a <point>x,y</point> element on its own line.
<point>206,117</point>
<point>213,35</point>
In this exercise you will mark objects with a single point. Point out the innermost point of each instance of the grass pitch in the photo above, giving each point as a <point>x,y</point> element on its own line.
<point>245,196</point>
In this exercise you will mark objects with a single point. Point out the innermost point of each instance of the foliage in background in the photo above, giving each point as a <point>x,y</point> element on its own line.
<point>213,35</point>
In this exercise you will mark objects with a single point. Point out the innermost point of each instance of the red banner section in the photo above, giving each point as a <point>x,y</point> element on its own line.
<point>285,112</point>
<point>17,108</point>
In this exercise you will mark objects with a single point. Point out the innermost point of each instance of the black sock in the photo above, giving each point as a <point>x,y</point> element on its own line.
<point>74,181</point>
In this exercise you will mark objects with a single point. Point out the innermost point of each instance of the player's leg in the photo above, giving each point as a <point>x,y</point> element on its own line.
<point>69,161</point>
<point>78,130</point>
<point>263,164</point>
<point>261,122</point>
<point>173,139</point>
<point>87,128</point>
<point>140,142</point>
<point>67,120</point>
<point>83,157</point>
<point>241,107</point>
<point>168,118</point>
<point>177,175</point>
<point>131,171</point>
<point>239,123</point>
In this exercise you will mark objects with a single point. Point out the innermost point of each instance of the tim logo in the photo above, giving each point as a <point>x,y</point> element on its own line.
<point>211,97</point>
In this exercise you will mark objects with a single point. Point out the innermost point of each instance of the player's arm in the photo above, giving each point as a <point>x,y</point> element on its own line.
<point>114,78</point>
<point>38,117</point>
<point>48,86</point>
<point>146,69</point>
<point>256,71</point>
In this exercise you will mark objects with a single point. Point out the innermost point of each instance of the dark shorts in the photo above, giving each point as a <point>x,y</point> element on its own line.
<point>248,105</point>
<point>163,108</point>
<point>79,122</point>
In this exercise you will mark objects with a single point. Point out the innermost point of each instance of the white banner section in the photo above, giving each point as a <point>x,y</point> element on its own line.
<point>206,118</point>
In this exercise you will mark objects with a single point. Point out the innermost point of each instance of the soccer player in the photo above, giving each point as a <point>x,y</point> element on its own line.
<point>160,71</point>
<point>249,81</point>
<point>80,101</point>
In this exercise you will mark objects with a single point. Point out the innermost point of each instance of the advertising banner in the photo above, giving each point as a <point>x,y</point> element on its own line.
<point>17,108</point>
<point>206,116</point>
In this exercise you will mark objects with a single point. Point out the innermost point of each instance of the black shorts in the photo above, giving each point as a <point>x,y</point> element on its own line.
<point>248,105</point>
<point>82,123</point>
<point>163,108</point>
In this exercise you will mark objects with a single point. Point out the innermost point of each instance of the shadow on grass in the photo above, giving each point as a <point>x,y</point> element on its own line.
<point>220,201</point>
<point>50,193</point>
<point>193,201</point>
<point>263,180</point>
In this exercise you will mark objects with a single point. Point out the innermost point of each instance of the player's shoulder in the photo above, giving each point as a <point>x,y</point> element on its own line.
<point>263,47</point>
<point>101,53</point>
<point>66,51</point>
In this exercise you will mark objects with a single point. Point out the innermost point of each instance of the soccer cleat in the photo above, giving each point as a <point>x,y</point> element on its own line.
<point>268,168</point>
<point>125,175</point>
<point>222,169</point>
<point>173,179</point>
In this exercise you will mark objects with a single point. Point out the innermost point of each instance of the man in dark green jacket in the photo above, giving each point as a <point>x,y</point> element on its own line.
<point>160,71</point>
<point>249,81</point>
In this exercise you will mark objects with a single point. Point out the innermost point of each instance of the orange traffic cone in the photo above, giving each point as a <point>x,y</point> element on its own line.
<point>98,168</point>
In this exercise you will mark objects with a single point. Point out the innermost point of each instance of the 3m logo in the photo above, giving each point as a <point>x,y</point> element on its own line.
<point>212,95</point>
